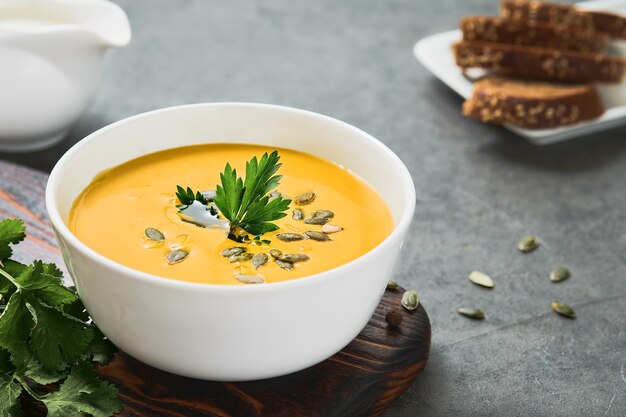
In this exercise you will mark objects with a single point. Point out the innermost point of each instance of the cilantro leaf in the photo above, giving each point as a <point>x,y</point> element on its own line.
<point>9,394</point>
<point>11,232</point>
<point>58,340</point>
<point>101,350</point>
<point>5,361</point>
<point>28,366</point>
<point>13,268</point>
<point>245,204</point>
<point>83,392</point>
<point>48,288</point>
<point>15,324</point>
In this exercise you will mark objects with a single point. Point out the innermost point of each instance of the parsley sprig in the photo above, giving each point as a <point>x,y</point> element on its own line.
<point>46,337</point>
<point>246,204</point>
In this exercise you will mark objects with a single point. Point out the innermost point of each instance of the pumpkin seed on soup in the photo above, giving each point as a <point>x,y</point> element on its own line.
<point>317,220</point>
<point>323,214</point>
<point>329,228</point>
<point>288,266</point>
<point>250,279</point>
<point>304,198</point>
<point>289,237</point>
<point>298,214</point>
<point>318,236</point>
<point>482,279</point>
<point>259,260</point>
<point>472,313</point>
<point>275,253</point>
<point>410,300</point>
<point>293,257</point>
<point>242,257</point>
<point>176,256</point>
<point>559,274</point>
<point>563,309</point>
<point>528,244</point>
<point>154,234</point>
<point>236,250</point>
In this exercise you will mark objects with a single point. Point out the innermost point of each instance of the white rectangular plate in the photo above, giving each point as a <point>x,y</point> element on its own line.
<point>435,53</point>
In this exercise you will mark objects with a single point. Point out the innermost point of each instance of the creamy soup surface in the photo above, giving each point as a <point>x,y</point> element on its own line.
<point>111,214</point>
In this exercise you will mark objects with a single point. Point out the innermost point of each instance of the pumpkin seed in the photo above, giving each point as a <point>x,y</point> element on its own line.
<point>275,253</point>
<point>209,195</point>
<point>242,257</point>
<point>559,274</point>
<point>294,257</point>
<point>305,198</point>
<point>563,309</point>
<point>393,286</point>
<point>472,313</point>
<point>236,250</point>
<point>320,237</point>
<point>250,279</point>
<point>289,237</point>
<point>528,244</point>
<point>298,214</point>
<point>410,300</point>
<point>317,220</point>
<point>259,260</point>
<point>323,214</point>
<point>329,228</point>
<point>154,234</point>
<point>176,256</point>
<point>288,266</point>
<point>482,279</point>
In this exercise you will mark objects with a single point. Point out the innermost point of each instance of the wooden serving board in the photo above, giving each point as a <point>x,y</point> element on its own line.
<point>361,380</point>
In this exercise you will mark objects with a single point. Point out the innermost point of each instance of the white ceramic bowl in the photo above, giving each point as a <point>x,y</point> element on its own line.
<point>230,332</point>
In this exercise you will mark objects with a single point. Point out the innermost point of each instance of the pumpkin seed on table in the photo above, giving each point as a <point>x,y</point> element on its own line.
<point>318,236</point>
<point>563,309</point>
<point>482,279</point>
<point>559,274</point>
<point>528,244</point>
<point>288,266</point>
<point>323,214</point>
<point>317,220</point>
<point>259,260</point>
<point>293,257</point>
<point>289,237</point>
<point>154,234</point>
<point>236,250</point>
<point>304,198</point>
<point>329,228</point>
<point>242,257</point>
<point>393,286</point>
<point>410,300</point>
<point>472,313</point>
<point>298,214</point>
<point>176,256</point>
<point>250,279</point>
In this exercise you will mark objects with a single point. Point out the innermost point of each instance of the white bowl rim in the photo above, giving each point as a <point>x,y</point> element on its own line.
<point>63,230</point>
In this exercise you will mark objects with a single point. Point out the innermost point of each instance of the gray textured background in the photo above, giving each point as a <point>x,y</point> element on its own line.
<point>479,187</point>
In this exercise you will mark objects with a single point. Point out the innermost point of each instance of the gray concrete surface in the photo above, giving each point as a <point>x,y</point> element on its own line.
<point>479,187</point>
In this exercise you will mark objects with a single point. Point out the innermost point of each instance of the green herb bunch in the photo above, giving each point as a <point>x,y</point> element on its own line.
<point>47,339</point>
<point>246,203</point>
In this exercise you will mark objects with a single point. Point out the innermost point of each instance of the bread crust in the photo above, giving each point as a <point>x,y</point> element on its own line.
<point>532,104</point>
<point>539,34</point>
<point>558,14</point>
<point>540,63</point>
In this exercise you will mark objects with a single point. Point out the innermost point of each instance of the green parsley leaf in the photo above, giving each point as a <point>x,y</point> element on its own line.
<point>15,324</point>
<point>187,197</point>
<point>245,203</point>
<point>9,394</point>
<point>12,231</point>
<point>83,392</point>
<point>58,340</point>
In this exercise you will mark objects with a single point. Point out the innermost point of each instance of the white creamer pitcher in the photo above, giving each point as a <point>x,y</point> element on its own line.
<point>50,56</point>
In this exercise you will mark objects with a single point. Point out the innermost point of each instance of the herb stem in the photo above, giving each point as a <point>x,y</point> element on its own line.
<point>10,278</point>
<point>27,388</point>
